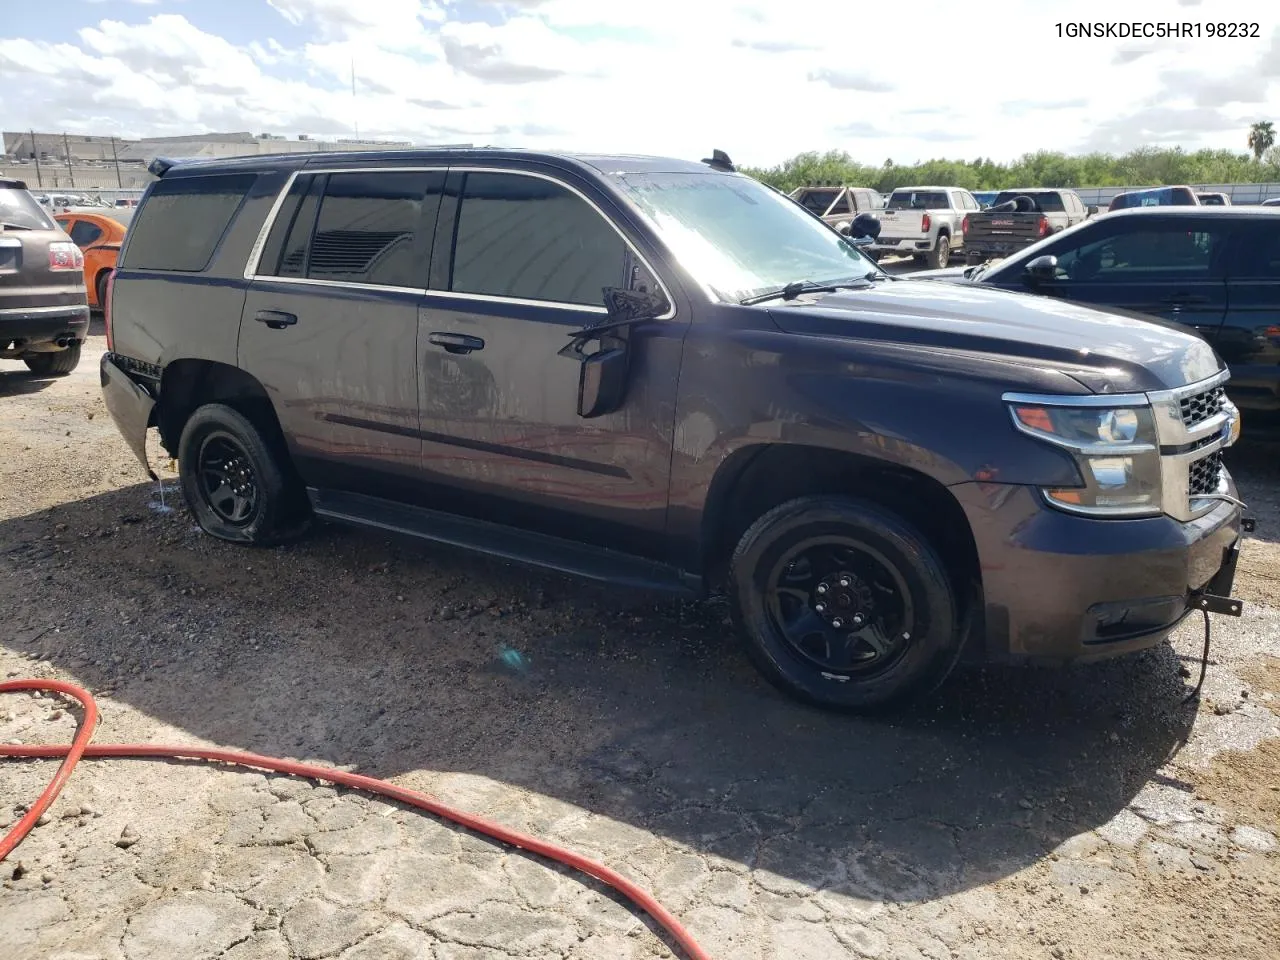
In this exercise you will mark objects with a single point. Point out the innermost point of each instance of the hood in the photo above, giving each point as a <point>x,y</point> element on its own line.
<point>1107,351</point>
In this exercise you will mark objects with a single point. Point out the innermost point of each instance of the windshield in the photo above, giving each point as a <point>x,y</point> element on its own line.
<point>1047,202</point>
<point>817,200</point>
<point>918,200</point>
<point>738,237</point>
<point>17,207</point>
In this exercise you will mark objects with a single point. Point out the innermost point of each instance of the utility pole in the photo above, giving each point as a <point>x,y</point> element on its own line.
<point>116,158</point>
<point>355,111</point>
<point>67,147</point>
<point>35,153</point>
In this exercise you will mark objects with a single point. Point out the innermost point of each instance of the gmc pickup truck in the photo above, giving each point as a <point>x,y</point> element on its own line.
<point>1019,218</point>
<point>837,206</point>
<point>925,223</point>
<point>664,374</point>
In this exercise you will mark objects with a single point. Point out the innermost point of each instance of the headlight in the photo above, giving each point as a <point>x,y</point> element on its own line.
<point>1113,440</point>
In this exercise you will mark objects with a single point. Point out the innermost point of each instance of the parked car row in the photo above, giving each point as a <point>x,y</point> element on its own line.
<point>1214,270</point>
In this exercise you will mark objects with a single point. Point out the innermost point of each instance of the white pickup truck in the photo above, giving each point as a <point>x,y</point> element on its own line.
<point>924,223</point>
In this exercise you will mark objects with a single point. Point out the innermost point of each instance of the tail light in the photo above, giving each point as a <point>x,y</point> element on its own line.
<point>65,256</point>
<point>106,309</point>
<point>925,223</point>
<point>1043,227</point>
<point>964,225</point>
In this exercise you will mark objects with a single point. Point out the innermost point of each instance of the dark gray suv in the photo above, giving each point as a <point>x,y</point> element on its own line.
<point>44,307</point>
<point>664,374</point>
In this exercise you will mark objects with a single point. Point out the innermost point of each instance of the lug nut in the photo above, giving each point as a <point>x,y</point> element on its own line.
<point>837,623</point>
<point>859,619</point>
<point>821,608</point>
<point>822,588</point>
<point>844,581</point>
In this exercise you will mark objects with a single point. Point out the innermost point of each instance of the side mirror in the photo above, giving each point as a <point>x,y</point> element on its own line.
<point>602,382</point>
<point>1092,210</point>
<point>604,372</point>
<point>1042,269</point>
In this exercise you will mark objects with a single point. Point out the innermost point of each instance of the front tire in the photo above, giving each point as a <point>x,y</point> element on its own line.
<point>940,255</point>
<point>57,364</point>
<point>239,486</point>
<point>843,604</point>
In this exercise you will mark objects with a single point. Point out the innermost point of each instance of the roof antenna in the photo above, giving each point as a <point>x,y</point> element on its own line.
<point>719,160</point>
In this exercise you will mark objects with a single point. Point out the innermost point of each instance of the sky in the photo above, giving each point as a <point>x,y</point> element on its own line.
<point>761,79</point>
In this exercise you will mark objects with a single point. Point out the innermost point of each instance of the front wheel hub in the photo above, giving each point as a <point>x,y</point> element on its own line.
<point>844,601</point>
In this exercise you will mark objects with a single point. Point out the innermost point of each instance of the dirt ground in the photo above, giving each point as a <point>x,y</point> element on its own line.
<point>1081,813</point>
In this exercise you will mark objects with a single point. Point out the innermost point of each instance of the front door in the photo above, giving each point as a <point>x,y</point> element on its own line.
<point>1168,268</point>
<point>520,262</point>
<point>330,324</point>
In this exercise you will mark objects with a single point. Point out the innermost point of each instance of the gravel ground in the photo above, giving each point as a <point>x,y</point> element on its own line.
<point>1020,814</point>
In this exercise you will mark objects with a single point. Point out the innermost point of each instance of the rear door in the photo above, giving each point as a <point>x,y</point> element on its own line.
<point>330,324</point>
<point>1249,340</point>
<point>520,261</point>
<point>1169,268</point>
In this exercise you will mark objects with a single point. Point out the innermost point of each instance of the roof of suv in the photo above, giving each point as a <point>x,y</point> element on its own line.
<point>604,163</point>
<point>1170,210</point>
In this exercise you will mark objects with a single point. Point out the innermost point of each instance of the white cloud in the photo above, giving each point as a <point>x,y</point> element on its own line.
<point>760,80</point>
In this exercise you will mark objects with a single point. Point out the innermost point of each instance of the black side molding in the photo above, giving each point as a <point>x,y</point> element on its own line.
<point>507,543</point>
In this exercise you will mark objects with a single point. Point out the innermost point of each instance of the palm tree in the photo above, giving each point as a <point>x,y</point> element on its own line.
<point>1262,136</point>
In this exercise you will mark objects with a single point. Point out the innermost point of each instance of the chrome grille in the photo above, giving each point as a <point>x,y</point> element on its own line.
<point>1203,475</point>
<point>1200,407</point>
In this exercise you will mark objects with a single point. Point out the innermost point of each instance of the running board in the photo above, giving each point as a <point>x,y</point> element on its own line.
<point>506,543</point>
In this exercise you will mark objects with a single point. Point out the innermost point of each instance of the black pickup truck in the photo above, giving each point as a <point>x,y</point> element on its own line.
<point>665,374</point>
<point>1019,218</point>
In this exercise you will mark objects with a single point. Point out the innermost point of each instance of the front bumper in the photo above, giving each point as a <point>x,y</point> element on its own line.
<point>1060,587</point>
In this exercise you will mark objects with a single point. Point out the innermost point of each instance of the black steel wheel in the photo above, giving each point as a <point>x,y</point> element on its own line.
<point>237,478</point>
<point>844,604</point>
<point>226,479</point>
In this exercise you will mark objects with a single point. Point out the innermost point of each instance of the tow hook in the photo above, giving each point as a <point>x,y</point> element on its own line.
<point>1207,601</point>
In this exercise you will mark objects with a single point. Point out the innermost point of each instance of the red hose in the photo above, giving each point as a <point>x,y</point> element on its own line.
<point>80,747</point>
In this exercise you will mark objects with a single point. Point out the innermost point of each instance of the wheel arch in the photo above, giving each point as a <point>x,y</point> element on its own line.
<point>757,478</point>
<point>189,383</point>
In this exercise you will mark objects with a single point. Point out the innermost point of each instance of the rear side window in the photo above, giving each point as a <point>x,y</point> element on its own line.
<point>179,226</point>
<point>529,238</point>
<point>83,233</point>
<point>366,230</point>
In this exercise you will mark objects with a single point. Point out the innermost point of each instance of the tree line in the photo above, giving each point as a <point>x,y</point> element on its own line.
<point>1149,166</point>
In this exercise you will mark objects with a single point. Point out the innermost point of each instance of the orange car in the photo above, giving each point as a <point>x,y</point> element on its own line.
<point>99,234</point>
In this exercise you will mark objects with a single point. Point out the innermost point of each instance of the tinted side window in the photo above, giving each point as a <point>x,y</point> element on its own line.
<point>1169,251</point>
<point>525,237</point>
<point>367,228</point>
<point>1257,253</point>
<point>83,233</point>
<point>179,226</point>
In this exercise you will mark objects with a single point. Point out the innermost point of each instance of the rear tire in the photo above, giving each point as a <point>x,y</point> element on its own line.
<point>57,364</point>
<point>239,486</point>
<point>940,255</point>
<point>876,629</point>
<point>100,287</point>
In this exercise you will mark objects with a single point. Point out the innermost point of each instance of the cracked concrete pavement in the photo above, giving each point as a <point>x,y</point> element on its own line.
<point>1020,813</point>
